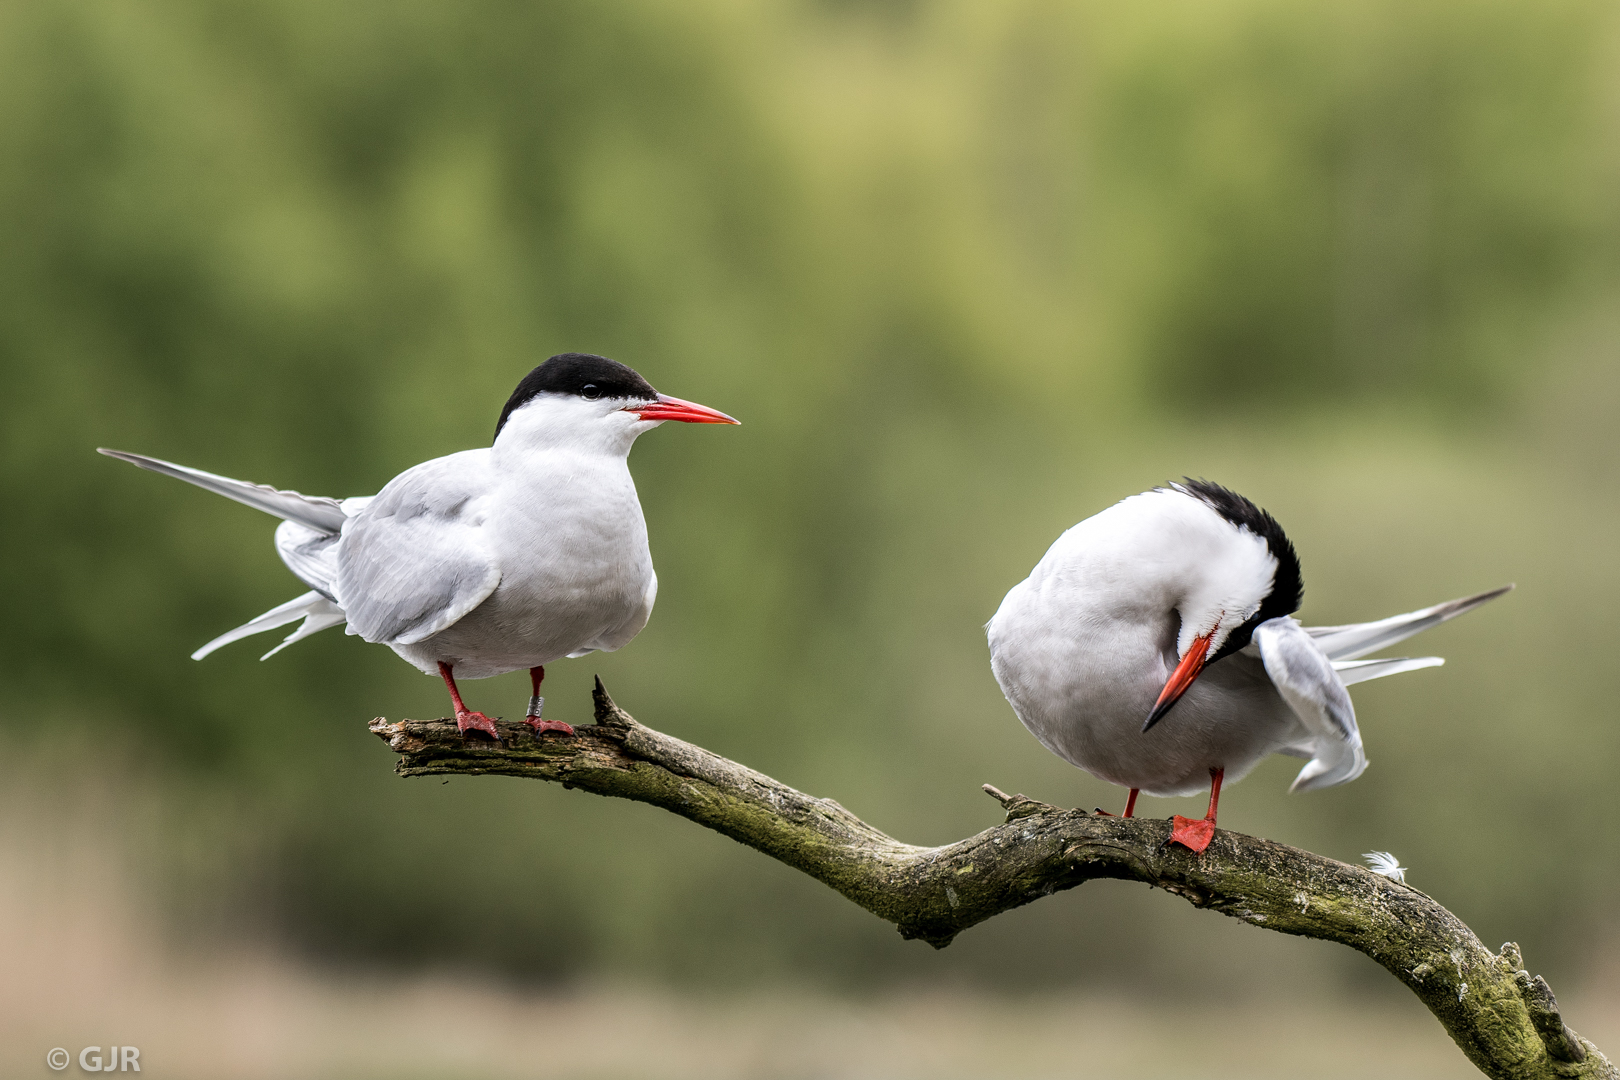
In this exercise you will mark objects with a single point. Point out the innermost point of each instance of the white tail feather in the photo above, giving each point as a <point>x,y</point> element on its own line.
<point>313,623</point>
<point>317,611</point>
<point>315,511</point>
<point>1354,671</point>
<point>1359,639</point>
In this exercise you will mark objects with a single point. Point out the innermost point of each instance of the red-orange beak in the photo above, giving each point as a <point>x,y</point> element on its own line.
<point>673,408</point>
<point>1181,679</point>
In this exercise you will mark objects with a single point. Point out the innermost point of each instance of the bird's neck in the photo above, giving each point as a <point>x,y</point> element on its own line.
<point>569,459</point>
<point>550,425</point>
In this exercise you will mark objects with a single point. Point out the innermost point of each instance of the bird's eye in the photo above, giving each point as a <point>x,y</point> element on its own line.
<point>590,392</point>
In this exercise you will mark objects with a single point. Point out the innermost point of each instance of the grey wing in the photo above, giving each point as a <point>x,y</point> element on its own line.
<point>1359,639</point>
<point>1304,677</point>
<point>414,561</point>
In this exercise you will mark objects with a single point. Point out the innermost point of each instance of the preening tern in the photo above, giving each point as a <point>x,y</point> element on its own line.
<point>1180,598</point>
<point>489,560</point>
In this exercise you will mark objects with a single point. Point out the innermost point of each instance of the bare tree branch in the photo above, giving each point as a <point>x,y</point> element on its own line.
<point>1505,1020</point>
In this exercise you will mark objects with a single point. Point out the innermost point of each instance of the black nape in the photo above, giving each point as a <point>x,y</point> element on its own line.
<point>1287,586</point>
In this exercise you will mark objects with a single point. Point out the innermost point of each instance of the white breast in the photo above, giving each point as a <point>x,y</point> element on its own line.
<point>567,533</point>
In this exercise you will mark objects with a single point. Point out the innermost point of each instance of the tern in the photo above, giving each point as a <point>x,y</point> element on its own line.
<point>490,560</point>
<point>1153,646</point>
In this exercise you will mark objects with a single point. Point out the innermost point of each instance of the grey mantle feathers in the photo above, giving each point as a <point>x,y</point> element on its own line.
<point>1505,1020</point>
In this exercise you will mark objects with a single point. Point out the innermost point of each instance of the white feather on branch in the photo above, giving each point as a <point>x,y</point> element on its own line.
<point>1382,862</point>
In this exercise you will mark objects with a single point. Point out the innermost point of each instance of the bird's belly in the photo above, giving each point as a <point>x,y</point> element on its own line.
<point>533,621</point>
<point>1086,698</point>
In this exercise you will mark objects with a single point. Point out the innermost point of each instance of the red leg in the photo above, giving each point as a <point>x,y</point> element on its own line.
<point>1196,835</point>
<point>465,718</point>
<point>1130,805</point>
<point>536,703</point>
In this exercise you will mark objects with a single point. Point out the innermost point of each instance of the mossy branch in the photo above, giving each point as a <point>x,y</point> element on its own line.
<point>1505,1020</point>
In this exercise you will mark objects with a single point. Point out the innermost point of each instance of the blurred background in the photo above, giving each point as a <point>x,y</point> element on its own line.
<point>968,273</point>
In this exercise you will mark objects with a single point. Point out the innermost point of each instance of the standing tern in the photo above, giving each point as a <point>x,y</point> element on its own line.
<point>489,560</point>
<point>1180,598</point>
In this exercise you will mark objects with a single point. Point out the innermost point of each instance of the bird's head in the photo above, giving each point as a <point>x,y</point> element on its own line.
<point>1239,569</point>
<point>587,402</point>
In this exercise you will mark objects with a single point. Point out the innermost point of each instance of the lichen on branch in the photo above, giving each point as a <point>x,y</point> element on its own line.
<point>1505,1020</point>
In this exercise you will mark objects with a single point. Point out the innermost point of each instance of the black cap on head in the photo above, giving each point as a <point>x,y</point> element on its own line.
<point>585,375</point>
<point>1287,586</point>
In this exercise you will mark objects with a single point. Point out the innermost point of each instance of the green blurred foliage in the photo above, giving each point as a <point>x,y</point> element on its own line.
<point>968,273</point>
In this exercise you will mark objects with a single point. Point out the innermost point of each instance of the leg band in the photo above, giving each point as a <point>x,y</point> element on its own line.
<point>536,703</point>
